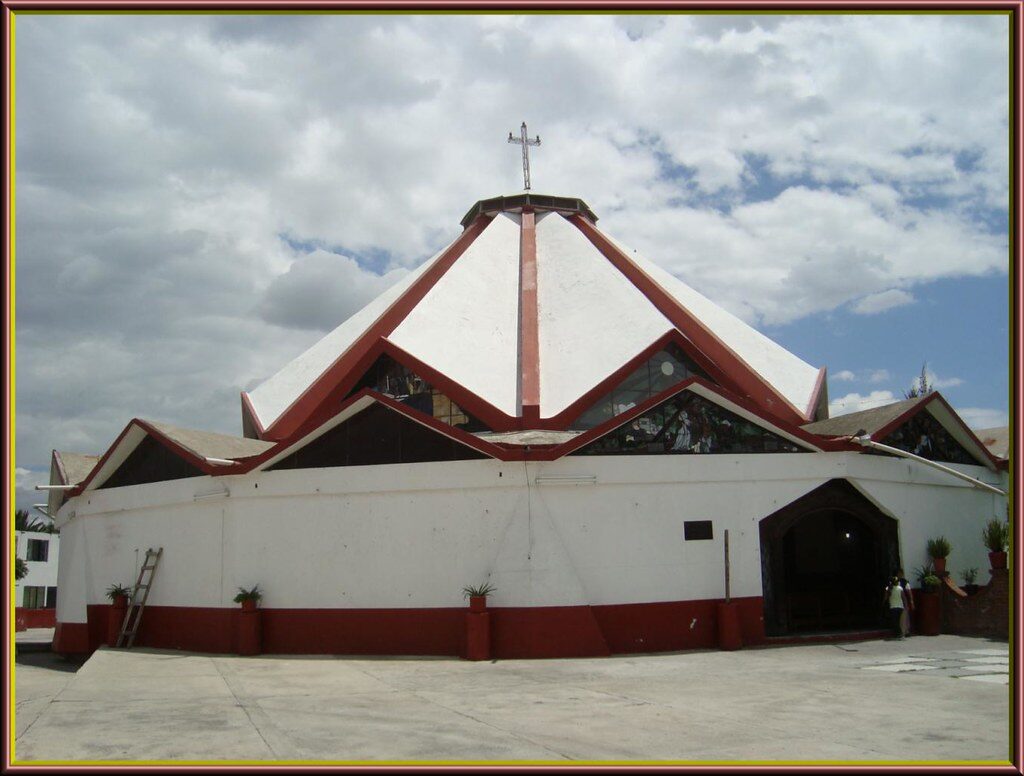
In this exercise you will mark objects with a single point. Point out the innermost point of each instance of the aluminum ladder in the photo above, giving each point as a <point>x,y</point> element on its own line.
<point>133,615</point>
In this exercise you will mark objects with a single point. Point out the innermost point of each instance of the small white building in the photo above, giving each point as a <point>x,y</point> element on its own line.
<point>541,409</point>
<point>35,595</point>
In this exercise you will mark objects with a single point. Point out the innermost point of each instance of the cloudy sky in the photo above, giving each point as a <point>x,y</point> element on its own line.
<point>200,198</point>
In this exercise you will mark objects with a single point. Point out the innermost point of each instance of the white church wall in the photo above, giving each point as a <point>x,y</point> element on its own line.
<point>412,535</point>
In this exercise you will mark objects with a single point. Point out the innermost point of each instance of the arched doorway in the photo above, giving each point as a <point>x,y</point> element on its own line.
<point>825,559</point>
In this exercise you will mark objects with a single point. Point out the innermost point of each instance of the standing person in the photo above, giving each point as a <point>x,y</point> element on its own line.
<point>908,601</point>
<point>894,597</point>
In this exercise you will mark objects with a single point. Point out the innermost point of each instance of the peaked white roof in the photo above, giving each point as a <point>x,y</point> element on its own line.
<point>467,319</point>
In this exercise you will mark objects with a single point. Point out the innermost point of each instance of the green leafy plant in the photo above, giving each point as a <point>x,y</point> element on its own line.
<point>969,575</point>
<point>253,594</point>
<point>473,591</point>
<point>939,547</point>
<point>996,535</point>
<point>115,590</point>
<point>926,577</point>
<point>20,569</point>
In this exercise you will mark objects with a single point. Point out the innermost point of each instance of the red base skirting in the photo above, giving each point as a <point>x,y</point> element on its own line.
<point>35,618</point>
<point>515,632</point>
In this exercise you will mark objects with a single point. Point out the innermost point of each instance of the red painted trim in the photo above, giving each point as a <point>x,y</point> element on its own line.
<point>516,632</point>
<point>892,425</point>
<point>529,335</point>
<point>751,383</point>
<point>623,418</point>
<point>313,396</point>
<point>819,384</point>
<point>72,638</point>
<point>35,618</point>
<point>250,411</point>
<point>564,419</point>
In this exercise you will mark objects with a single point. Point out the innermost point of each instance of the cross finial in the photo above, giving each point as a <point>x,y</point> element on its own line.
<point>525,142</point>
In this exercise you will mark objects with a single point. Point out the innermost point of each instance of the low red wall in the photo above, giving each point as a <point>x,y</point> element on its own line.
<point>35,618</point>
<point>516,632</point>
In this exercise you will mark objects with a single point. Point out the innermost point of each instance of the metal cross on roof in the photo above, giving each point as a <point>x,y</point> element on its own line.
<point>525,142</point>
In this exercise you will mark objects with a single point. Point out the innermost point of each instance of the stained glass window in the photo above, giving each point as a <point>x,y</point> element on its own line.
<point>923,435</point>
<point>377,435</point>
<point>392,379</point>
<point>687,424</point>
<point>664,369</point>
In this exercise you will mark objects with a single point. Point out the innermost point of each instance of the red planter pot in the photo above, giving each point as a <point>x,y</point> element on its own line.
<point>478,635</point>
<point>248,605</point>
<point>940,565</point>
<point>997,560</point>
<point>478,603</point>
<point>115,619</point>
<point>729,636</point>
<point>927,619</point>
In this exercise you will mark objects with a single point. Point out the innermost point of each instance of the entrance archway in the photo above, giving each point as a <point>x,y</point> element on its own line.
<point>825,559</point>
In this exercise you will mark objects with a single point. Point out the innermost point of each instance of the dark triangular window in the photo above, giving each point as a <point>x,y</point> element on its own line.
<point>377,435</point>
<point>664,369</point>
<point>151,461</point>
<point>688,424</point>
<point>923,435</point>
<point>392,379</point>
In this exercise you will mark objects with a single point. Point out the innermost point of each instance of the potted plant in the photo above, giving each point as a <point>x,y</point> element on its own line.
<point>248,598</point>
<point>969,575</point>
<point>938,550</point>
<point>118,595</point>
<point>996,536</point>
<point>477,595</point>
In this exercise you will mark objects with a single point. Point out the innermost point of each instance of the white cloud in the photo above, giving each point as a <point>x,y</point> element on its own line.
<point>844,376</point>
<point>855,402</point>
<point>21,477</point>
<point>879,376</point>
<point>981,417</point>
<point>884,300</point>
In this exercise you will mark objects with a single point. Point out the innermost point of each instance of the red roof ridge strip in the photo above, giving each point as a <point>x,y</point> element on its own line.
<point>529,322</point>
<point>701,336</point>
<point>319,389</point>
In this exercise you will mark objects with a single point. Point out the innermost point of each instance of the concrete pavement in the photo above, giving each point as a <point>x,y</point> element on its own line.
<point>941,698</point>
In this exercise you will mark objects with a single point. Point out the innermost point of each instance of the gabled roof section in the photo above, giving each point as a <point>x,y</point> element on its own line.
<point>870,420</point>
<point>880,422</point>
<point>205,451</point>
<point>207,444</point>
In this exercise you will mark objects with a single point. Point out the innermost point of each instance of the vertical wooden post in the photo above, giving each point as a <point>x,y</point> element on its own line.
<point>727,565</point>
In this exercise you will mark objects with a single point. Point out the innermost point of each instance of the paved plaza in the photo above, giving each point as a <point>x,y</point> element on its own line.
<point>923,699</point>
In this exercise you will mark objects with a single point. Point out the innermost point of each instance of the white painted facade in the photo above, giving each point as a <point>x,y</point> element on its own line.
<point>40,573</point>
<point>412,535</point>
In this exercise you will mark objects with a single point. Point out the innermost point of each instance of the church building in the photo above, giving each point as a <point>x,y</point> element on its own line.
<point>540,409</point>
